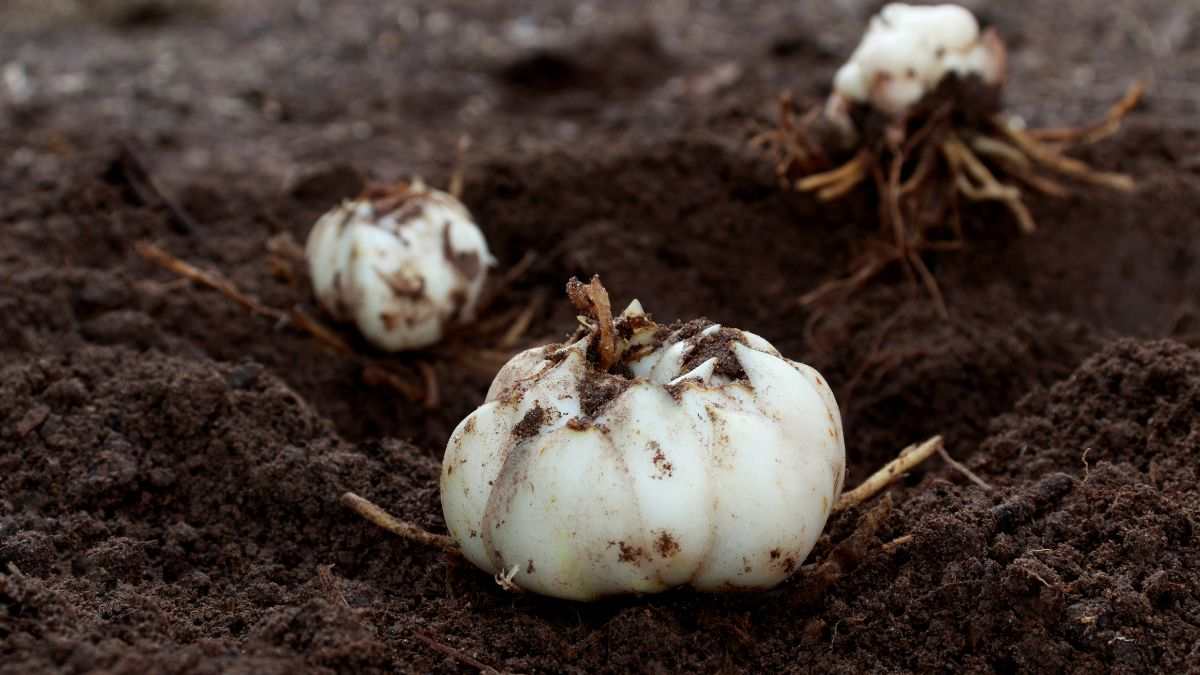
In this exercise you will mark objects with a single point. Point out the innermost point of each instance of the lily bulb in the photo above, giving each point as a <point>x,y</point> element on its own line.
<point>401,262</point>
<point>640,457</point>
<point>907,51</point>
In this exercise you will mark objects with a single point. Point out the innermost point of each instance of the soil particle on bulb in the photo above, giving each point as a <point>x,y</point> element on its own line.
<point>663,468</point>
<point>666,545</point>
<point>597,390</point>
<point>402,285</point>
<point>529,425</point>
<point>630,554</point>
<point>718,345</point>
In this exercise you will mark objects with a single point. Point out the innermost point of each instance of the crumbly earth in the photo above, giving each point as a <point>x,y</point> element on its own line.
<point>170,465</point>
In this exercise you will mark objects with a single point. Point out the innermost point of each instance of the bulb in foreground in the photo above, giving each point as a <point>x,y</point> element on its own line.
<point>908,50</point>
<point>700,458</point>
<point>402,263</point>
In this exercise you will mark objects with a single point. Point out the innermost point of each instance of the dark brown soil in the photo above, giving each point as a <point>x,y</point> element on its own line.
<point>170,466</point>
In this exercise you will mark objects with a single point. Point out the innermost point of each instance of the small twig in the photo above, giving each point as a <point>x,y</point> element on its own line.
<point>1068,166</point>
<point>375,374</point>
<point>906,461</point>
<point>521,324</point>
<point>138,176</point>
<point>329,585</point>
<point>314,328</point>
<point>961,157</point>
<point>407,531</point>
<point>432,396</point>
<point>1099,130</point>
<point>838,286</point>
<point>212,280</point>
<point>884,332</point>
<point>460,167</point>
<point>851,172</point>
<point>931,284</point>
<point>961,468</point>
<point>501,287</point>
<point>455,654</point>
<point>896,543</point>
<point>285,245</point>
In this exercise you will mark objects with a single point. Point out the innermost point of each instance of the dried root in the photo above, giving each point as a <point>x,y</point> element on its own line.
<point>400,528</point>
<point>924,167</point>
<point>414,377</point>
<point>908,459</point>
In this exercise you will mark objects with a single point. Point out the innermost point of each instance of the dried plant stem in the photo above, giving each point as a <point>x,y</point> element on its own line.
<point>457,179</point>
<point>314,328</point>
<point>593,301</point>
<point>975,181</point>
<point>373,373</point>
<point>907,460</point>
<point>834,287</point>
<point>1097,131</point>
<point>215,281</point>
<point>1068,166</point>
<point>406,531</point>
<point>837,182</point>
<point>521,324</point>
<point>961,468</point>
<point>376,375</point>
<point>432,398</point>
<point>138,176</point>
<point>457,655</point>
<point>497,291</point>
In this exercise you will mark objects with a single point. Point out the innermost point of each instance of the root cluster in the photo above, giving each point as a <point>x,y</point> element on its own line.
<point>922,168</point>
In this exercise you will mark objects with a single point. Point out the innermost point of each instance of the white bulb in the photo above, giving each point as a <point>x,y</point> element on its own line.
<point>401,264</point>
<point>908,50</point>
<point>704,458</point>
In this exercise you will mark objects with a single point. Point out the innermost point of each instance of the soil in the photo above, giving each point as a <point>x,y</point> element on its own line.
<point>170,465</point>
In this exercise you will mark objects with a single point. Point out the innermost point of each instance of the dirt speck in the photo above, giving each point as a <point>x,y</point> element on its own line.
<point>665,544</point>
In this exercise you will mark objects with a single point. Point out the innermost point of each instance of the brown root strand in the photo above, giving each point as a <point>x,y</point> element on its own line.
<point>852,172</point>
<point>457,655</point>
<point>319,331</point>
<point>906,461</point>
<point>961,468</point>
<point>432,398</point>
<point>375,375</point>
<point>212,280</point>
<point>1067,166</point>
<point>520,325</point>
<point>840,287</point>
<point>976,182</point>
<point>457,179</point>
<point>1097,131</point>
<point>405,530</point>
